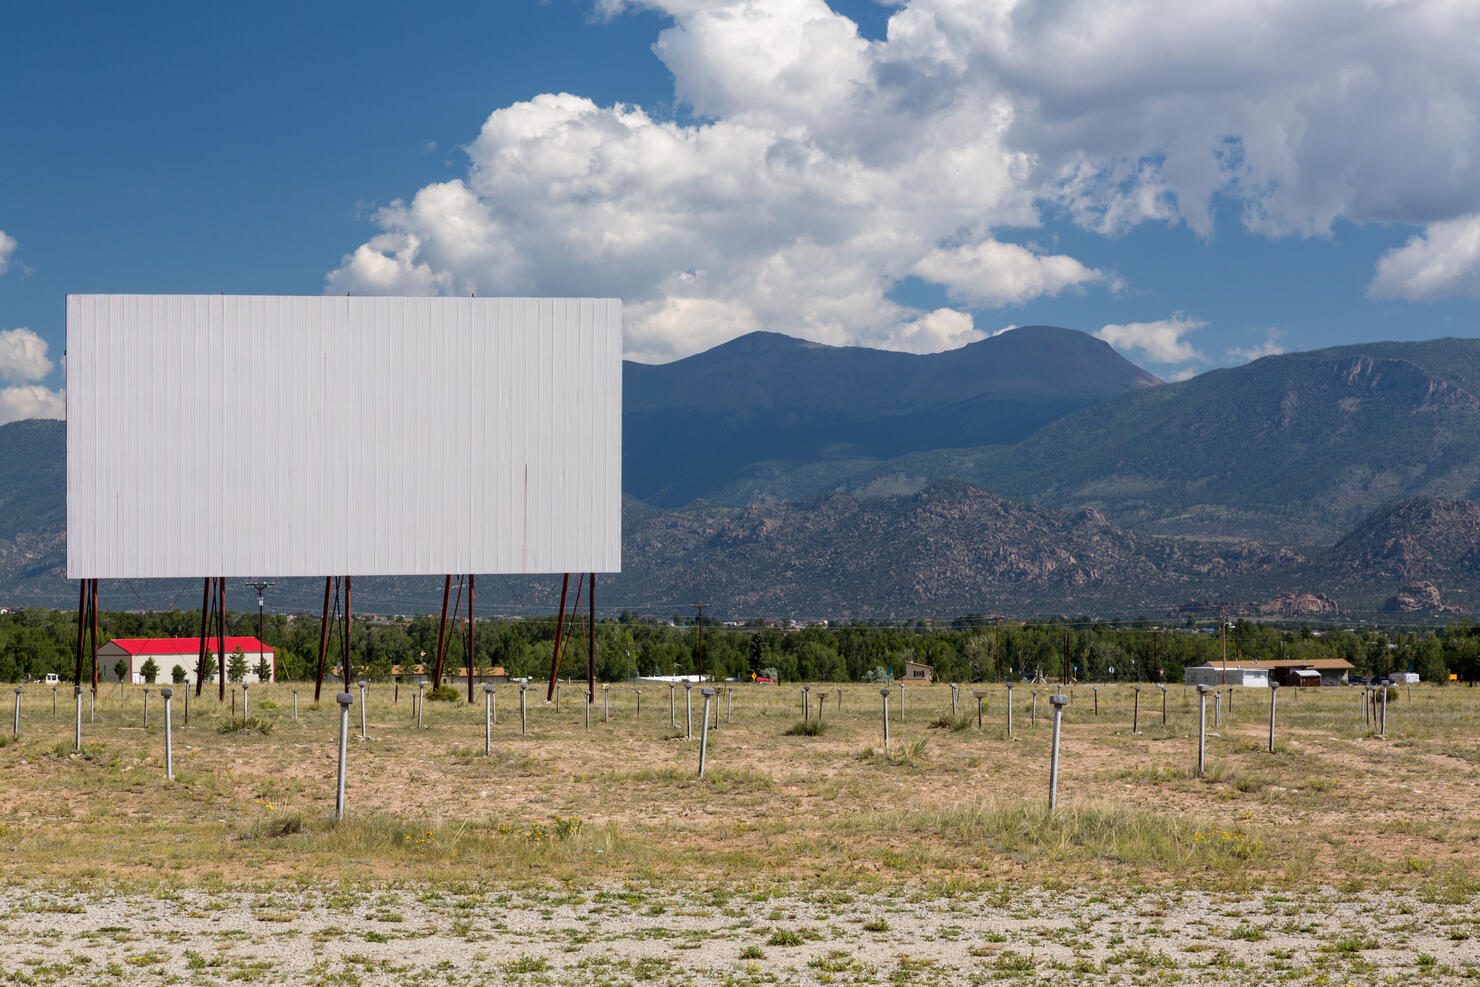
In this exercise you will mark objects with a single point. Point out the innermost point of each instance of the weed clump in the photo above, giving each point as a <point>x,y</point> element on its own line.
<point>951,723</point>
<point>806,728</point>
<point>443,694</point>
<point>250,724</point>
<point>283,824</point>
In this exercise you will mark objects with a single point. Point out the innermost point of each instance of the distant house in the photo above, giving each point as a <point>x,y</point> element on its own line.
<point>915,671</point>
<point>168,652</point>
<point>1282,671</point>
<point>397,671</point>
<point>1235,673</point>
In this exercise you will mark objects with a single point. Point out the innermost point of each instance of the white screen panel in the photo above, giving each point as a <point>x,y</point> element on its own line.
<point>308,436</point>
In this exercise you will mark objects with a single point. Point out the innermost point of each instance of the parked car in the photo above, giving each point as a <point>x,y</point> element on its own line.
<point>1355,680</point>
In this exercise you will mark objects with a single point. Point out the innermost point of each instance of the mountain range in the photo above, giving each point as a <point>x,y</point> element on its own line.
<point>1033,472</point>
<point>1291,449</point>
<point>689,427</point>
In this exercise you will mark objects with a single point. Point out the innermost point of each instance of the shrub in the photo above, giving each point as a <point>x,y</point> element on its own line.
<point>443,694</point>
<point>247,725</point>
<point>282,824</point>
<point>951,723</point>
<point>807,728</point>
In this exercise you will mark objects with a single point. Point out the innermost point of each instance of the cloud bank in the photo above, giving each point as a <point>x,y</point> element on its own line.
<point>816,169</point>
<point>1442,262</point>
<point>1159,342</point>
<point>7,247</point>
<point>23,362</point>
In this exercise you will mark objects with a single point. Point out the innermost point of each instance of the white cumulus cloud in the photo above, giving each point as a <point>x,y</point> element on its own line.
<point>1160,341</point>
<point>7,247</point>
<point>994,274</point>
<point>817,169</point>
<point>1442,261</point>
<point>942,329</point>
<point>31,401</point>
<point>23,356</point>
<point>1270,347</point>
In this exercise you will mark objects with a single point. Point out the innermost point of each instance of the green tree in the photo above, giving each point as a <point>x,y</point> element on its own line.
<point>263,669</point>
<point>1429,662</point>
<point>236,666</point>
<point>177,674</point>
<point>150,670</point>
<point>120,669</point>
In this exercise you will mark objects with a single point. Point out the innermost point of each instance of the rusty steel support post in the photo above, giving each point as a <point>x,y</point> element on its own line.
<point>591,640</point>
<point>205,626</point>
<point>559,632</point>
<point>348,625</point>
<point>471,638</point>
<point>95,641</point>
<point>318,681</point>
<point>81,632</point>
<point>221,636</point>
<point>441,632</point>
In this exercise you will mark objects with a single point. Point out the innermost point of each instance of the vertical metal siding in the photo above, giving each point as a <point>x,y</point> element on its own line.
<point>305,436</point>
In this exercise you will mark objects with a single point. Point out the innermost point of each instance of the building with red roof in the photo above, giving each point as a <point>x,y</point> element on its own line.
<point>168,652</point>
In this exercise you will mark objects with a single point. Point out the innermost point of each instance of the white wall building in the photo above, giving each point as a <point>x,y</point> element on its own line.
<point>168,652</point>
<point>1233,674</point>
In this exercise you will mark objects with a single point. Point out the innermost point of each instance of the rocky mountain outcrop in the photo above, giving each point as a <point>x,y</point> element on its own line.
<point>1415,540</point>
<point>1418,597</point>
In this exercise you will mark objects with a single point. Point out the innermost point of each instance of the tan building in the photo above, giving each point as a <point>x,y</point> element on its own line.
<point>915,671</point>
<point>1281,671</point>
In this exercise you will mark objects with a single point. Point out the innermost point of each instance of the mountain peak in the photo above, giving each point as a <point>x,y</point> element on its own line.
<point>691,425</point>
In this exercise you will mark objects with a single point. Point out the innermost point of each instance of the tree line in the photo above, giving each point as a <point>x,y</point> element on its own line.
<point>35,641</point>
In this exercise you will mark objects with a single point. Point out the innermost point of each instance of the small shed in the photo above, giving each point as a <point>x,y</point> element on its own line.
<point>915,671</point>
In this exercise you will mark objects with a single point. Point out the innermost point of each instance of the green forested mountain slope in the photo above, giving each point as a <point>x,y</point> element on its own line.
<point>1295,448</point>
<point>691,426</point>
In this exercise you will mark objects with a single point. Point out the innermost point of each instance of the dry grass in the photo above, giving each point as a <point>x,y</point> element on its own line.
<point>941,807</point>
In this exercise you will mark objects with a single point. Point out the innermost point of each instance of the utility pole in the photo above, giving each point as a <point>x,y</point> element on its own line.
<point>259,586</point>
<point>1223,630</point>
<point>700,607</point>
<point>997,647</point>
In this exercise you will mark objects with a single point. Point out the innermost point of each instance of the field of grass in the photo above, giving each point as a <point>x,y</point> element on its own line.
<point>596,855</point>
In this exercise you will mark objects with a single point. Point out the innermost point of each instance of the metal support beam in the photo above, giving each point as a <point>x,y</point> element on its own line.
<point>559,631</point>
<point>318,681</point>
<point>471,635</point>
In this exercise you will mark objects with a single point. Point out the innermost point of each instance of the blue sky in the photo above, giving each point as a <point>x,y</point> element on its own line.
<point>912,175</point>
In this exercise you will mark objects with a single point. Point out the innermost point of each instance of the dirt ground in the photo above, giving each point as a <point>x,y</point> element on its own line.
<point>578,854</point>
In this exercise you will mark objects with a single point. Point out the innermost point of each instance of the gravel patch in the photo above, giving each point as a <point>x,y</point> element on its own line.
<point>628,934</point>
